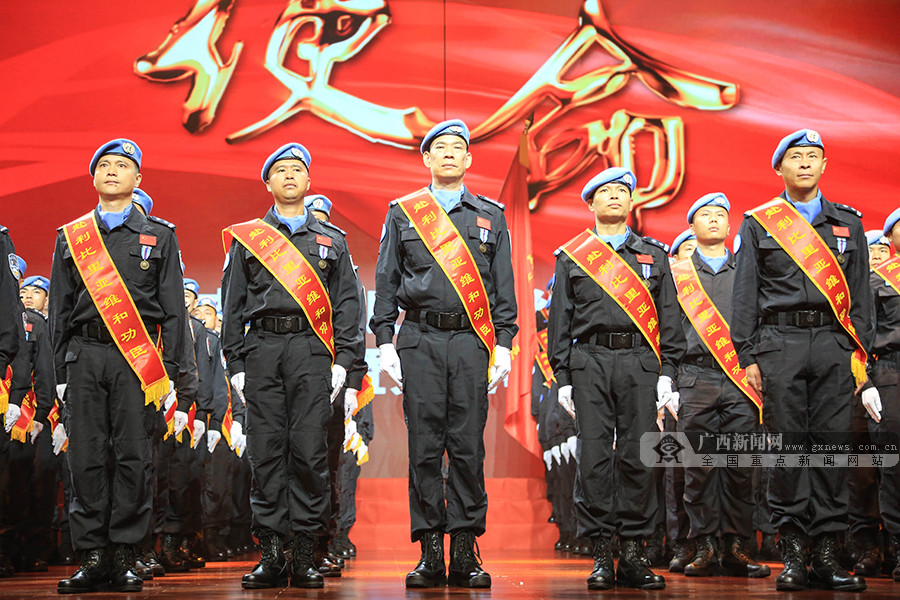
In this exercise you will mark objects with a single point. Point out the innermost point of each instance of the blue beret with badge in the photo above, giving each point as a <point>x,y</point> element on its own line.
<point>292,151</point>
<point>682,238</point>
<point>192,286</point>
<point>23,266</point>
<point>452,127</point>
<point>890,222</point>
<point>801,137</point>
<point>714,199</point>
<point>142,199</point>
<point>611,175</point>
<point>876,236</point>
<point>37,281</point>
<point>318,202</point>
<point>120,147</point>
<point>207,301</point>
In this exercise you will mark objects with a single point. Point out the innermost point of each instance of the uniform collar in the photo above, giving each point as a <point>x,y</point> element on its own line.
<point>292,223</point>
<point>311,224</point>
<point>701,264</point>
<point>828,212</point>
<point>134,221</point>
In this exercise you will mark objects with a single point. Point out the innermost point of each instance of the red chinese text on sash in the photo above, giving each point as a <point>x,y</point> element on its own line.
<point>542,360</point>
<point>806,248</point>
<point>291,269</point>
<point>709,324</point>
<point>25,424</point>
<point>618,280</point>
<point>450,252</point>
<point>889,270</point>
<point>116,306</point>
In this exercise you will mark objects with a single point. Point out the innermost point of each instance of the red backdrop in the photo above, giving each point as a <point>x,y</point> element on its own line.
<point>70,84</point>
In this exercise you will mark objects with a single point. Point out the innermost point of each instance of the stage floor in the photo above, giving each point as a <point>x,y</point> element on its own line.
<point>378,574</point>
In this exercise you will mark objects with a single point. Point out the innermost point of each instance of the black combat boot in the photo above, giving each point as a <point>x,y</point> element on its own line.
<point>603,577</point>
<point>124,579</point>
<point>736,562</point>
<point>465,562</point>
<point>868,557</point>
<point>793,547</point>
<point>767,548</point>
<point>271,571</point>
<point>894,551</point>
<point>322,559</point>
<point>215,545</point>
<point>633,570</point>
<point>705,559</point>
<point>170,555</point>
<point>431,570</point>
<point>684,554</point>
<point>91,576</point>
<point>655,547</point>
<point>825,572</point>
<point>304,573</point>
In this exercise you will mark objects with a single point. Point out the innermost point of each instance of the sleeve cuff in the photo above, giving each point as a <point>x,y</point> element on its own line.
<point>504,338</point>
<point>563,378</point>
<point>384,336</point>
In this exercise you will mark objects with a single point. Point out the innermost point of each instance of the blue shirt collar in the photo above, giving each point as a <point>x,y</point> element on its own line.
<point>448,199</point>
<point>615,241</point>
<point>292,223</point>
<point>113,219</point>
<point>810,210</point>
<point>713,263</point>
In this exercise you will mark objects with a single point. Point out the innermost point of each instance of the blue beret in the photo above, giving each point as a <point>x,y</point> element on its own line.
<point>891,221</point>
<point>142,199</point>
<point>292,151</point>
<point>714,199</point>
<point>192,285</point>
<point>682,238</point>
<point>207,301</point>
<point>121,147</point>
<point>318,202</point>
<point>38,282</point>
<point>451,127</point>
<point>613,174</point>
<point>876,236</point>
<point>802,137</point>
<point>23,266</point>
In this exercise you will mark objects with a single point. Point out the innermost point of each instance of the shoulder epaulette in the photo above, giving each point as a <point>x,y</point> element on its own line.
<point>335,227</point>
<point>656,242</point>
<point>848,208</point>
<point>161,221</point>
<point>557,251</point>
<point>494,202</point>
<point>394,202</point>
<point>4,229</point>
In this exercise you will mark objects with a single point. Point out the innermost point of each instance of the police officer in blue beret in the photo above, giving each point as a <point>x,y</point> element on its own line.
<point>288,375</point>
<point>879,247</point>
<point>798,358</point>
<point>111,510</point>
<point>607,372</point>
<point>440,362</point>
<point>142,200</point>
<point>683,245</point>
<point>718,502</point>
<point>34,293</point>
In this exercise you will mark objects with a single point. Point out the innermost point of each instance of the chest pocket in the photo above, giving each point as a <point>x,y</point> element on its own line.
<point>313,256</point>
<point>473,240</point>
<point>142,271</point>
<point>774,261</point>
<point>413,249</point>
<point>584,288</point>
<point>850,248</point>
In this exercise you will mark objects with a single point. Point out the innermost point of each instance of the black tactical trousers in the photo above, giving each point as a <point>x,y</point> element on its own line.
<point>445,403</point>
<point>288,385</point>
<point>885,376</point>
<point>614,390</point>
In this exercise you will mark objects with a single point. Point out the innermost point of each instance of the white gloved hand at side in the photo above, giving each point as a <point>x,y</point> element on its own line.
<point>13,412</point>
<point>212,438</point>
<point>665,395</point>
<point>59,438</point>
<point>237,432</point>
<point>180,421</point>
<point>351,405</point>
<point>871,400</point>
<point>199,430</point>
<point>61,392</point>
<point>390,363</point>
<point>338,377</point>
<point>566,401</point>
<point>501,367</point>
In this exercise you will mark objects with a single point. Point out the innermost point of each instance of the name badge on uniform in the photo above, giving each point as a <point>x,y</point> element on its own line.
<point>484,226</point>
<point>841,233</point>
<point>646,262</point>
<point>324,243</point>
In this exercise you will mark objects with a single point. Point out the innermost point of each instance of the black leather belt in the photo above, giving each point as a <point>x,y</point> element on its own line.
<point>293,324</point>
<point>893,357</point>
<point>706,361</point>
<point>439,320</point>
<point>615,340</point>
<point>97,332</point>
<point>801,318</point>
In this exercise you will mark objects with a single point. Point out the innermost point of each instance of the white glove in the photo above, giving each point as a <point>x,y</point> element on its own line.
<point>237,380</point>
<point>548,459</point>
<point>61,392</point>
<point>38,427</point>
<point>572,443</point>
<point>199,430</point>
<point>237,432</point>
<point>871,400</point>
<point>564,450</point>
<point>557,454</point>
<point>12,415</point>
<point>212,438</point>
<point>665,395</point>
<point>180,420</point>
<point>501,367</point>
<point>390,363</point>
<point>240,444</point>
<point>350,403</point>
<point>565,399</point>
<point>338,377</point>
<point>59,438</point>
<point>170,400</point>
<point>349,431</point>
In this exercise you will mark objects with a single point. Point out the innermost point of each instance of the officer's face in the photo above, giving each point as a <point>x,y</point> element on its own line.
<point>33,297</point>
<point>288,181</point>
<point>611,202</point>
<point>878,253</point>
<point>115,176</point>
<point>802,167</point>
<point>190,300</point>
<point>686,249</point>
<point>448,158</point>
<point>710,224</point>
<point>207,314</point>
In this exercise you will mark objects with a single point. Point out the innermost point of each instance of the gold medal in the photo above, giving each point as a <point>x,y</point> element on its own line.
<point>145,265</point>
<point>483,248</point>
<point>840,259</point>
<point>322,263</point>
